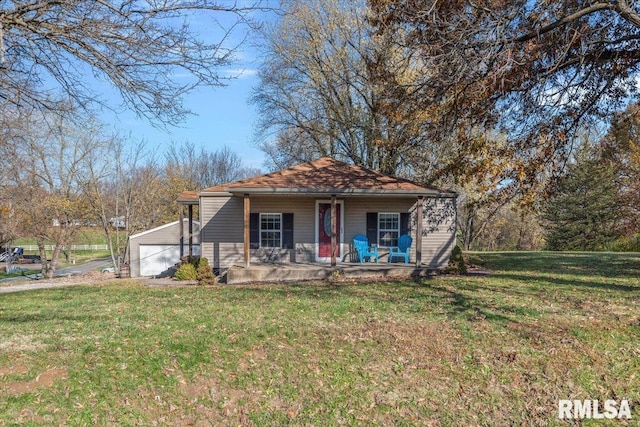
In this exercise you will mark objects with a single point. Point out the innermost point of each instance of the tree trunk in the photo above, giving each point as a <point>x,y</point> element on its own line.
<point>49,266</point>
<point>43,259</point>
<point>468,236</point>
<point>55,256</point>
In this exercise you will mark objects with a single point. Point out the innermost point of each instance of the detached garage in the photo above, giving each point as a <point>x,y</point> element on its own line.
<point>154,252</point>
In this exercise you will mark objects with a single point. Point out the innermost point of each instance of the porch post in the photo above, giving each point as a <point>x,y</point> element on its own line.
<point>419,231</point>
<point>190,231</point>
<point>247,210</point>
<point>333,230</point>
<point>181,209</point>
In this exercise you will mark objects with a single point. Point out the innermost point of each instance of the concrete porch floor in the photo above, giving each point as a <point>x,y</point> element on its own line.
<point>310,271</point>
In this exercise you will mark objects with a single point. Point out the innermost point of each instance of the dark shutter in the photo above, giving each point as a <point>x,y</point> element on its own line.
<point>372,227</point>
<point>404,223</point>
<point>254,230</point>
<point>287,231</point>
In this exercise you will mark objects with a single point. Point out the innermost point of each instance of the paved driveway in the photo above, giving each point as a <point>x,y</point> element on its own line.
<point>61,274</point>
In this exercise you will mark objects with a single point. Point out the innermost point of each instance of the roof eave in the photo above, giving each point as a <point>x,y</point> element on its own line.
<point>216,193</point>
<point>194,202</point>
<point>339,191</point>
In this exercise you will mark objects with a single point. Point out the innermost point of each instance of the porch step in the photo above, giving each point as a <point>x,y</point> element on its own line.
<point>301,272</point>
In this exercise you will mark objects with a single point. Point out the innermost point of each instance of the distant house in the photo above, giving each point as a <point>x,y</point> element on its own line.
<point>56,222</point>
<point>118,222</point>
<point>285,217</point>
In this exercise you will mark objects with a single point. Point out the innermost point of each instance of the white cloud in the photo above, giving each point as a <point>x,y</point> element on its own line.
<point>241,72</point>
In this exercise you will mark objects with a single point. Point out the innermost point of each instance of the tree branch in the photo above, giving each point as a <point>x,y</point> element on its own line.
<point>565,20</point>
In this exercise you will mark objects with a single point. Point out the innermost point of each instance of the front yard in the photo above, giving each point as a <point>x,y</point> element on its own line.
<point>478,350</point>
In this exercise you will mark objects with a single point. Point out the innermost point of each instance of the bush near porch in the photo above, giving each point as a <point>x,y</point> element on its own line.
<point>454,350</point>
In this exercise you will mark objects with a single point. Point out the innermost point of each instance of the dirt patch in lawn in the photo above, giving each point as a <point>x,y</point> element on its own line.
<point>45,379</point>
<point>12,370</point>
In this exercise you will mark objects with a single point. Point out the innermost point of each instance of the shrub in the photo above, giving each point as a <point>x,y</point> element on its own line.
<point>456,262</point>
<point>205,274</point>
<point>186,271</point>
<point>626,244</point>
<point>193,260</point>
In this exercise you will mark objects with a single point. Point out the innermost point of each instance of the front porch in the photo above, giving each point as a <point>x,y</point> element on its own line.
<point>289,272</point>
<point>300,223</point>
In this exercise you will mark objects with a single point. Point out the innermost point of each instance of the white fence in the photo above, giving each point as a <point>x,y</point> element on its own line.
<point>73,247</point>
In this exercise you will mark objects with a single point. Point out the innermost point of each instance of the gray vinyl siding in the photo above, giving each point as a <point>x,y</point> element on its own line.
<point>164,235</point>
<point>303,210</point>
<point>222,232</point>
<point>356,212</point>
<point>438,231</point>
<point>223,236</point>
<point>438,226</point>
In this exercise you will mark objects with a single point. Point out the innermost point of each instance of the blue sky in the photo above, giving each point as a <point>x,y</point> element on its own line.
<point>222,115</point>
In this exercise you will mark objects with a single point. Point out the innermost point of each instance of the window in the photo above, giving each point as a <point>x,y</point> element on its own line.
<point>388,229</point>
<point>270,230</point>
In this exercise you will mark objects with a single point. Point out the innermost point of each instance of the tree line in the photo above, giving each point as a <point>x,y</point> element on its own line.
<point>59,177</point>
<point>59,165</point>
<point>489,98</point>
<point>492,99</point>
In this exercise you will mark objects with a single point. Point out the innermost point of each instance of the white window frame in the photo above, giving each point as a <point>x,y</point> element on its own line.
<point>380,230</point>
<point>268,230</point>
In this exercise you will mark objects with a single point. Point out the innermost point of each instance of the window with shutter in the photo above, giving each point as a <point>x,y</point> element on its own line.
<point>287,231</point>
<point>270,230</point>
<point>388,228</point>
<point>254,230</point>
<point>372,227</point>
<point>384,228</point>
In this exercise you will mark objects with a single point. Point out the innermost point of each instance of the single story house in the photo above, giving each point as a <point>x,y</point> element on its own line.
<point>310,213</point>
<point>154,252</point>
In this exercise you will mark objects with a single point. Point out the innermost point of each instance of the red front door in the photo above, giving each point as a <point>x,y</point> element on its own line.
<point>324,230</point>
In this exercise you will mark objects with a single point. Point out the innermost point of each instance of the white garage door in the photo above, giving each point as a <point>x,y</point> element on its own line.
<point>155,259</point>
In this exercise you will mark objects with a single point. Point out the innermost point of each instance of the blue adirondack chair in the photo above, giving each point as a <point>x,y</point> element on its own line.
<point>365,252</point>
<point>402,250</point>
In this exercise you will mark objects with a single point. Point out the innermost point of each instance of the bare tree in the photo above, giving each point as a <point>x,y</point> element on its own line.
<point>11,124</point>
<point>190,168</point>
<point>124,191</point>
<point>138,47</point>
<point>332,85</point>
<point>47,165</point>
<point>8,225</point>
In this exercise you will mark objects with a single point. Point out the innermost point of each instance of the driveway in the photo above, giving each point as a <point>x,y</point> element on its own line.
<point>85,268</point>
<point>63,277</point>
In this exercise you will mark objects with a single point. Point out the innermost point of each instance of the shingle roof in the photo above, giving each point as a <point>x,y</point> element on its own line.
<point>325,175</point>
<point>188,197</point>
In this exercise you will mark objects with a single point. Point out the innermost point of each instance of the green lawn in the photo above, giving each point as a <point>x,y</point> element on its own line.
<point>479,350</point>
<point>85,236</point>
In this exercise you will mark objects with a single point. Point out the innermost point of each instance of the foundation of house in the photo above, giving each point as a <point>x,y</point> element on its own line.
<point>301,272</point>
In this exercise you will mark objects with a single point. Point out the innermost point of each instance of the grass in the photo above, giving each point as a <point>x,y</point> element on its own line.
<point>476,350</point>
<point>85,236</point>
<point>84,256</point>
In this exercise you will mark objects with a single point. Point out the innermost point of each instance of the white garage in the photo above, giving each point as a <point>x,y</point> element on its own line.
<point>154,252</point>
<point>156,259</point>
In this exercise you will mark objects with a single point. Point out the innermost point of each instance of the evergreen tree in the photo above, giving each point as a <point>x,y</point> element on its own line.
<point>583,212</point>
